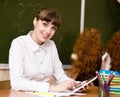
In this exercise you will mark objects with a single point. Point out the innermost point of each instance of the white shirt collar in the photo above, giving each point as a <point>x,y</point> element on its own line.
<point>34,46</point>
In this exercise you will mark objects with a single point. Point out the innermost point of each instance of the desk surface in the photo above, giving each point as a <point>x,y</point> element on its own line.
<point>92,92</point>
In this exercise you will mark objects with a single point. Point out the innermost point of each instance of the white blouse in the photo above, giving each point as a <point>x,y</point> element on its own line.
<point>32,65</point>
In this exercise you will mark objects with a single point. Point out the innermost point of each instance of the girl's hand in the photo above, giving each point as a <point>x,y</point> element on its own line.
<point>85,88</point>
<point>65,85</point>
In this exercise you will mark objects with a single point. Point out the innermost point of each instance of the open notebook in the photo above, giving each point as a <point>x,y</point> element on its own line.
<point>65,93</point>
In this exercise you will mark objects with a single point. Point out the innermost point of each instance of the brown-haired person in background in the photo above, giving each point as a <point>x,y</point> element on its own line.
<point>87,54</point>
<point>33,58</point>
<point>113,49</point>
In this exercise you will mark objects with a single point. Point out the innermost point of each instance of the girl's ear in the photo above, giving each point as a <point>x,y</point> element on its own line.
<point>34,22</point>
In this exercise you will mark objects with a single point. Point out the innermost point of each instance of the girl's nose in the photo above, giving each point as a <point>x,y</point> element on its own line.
<point>48,29</point>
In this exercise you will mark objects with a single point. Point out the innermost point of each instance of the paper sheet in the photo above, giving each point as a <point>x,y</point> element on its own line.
<point>54,94</point>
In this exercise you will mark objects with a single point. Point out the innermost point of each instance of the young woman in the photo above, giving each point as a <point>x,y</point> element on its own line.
<point>33,58</point>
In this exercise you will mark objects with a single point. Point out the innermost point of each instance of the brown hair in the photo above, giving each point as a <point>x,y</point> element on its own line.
<point>49,15</point>
<point>88,48</point>
<point>113,49</point>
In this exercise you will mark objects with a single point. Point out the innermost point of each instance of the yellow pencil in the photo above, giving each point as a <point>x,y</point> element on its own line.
<point>44,94</point>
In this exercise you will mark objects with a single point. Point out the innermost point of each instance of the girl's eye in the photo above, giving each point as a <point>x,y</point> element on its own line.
<point>54,28</point>
<point>45,23</point>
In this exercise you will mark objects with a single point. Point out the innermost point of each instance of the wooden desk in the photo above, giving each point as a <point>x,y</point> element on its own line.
<point>5,85</point>
<point>93,92</point>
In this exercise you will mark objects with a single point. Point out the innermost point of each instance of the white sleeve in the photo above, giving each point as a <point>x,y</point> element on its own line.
<point>17,78</point>
<point>58,69</point>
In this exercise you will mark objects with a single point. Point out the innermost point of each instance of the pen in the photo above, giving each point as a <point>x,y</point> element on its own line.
<point>110,79</point>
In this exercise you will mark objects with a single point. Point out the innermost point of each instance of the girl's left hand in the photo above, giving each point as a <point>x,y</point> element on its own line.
<point>85,88</point>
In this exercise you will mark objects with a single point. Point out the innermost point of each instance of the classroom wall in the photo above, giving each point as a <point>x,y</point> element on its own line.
<point>16,18</point>
<point>104,15</point>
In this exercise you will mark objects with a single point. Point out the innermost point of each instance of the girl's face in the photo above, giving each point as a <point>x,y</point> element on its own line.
<point>43,31</point>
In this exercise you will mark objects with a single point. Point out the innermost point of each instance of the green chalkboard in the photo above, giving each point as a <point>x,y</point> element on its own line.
<point>104,15</point>
<point>16,18</point>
